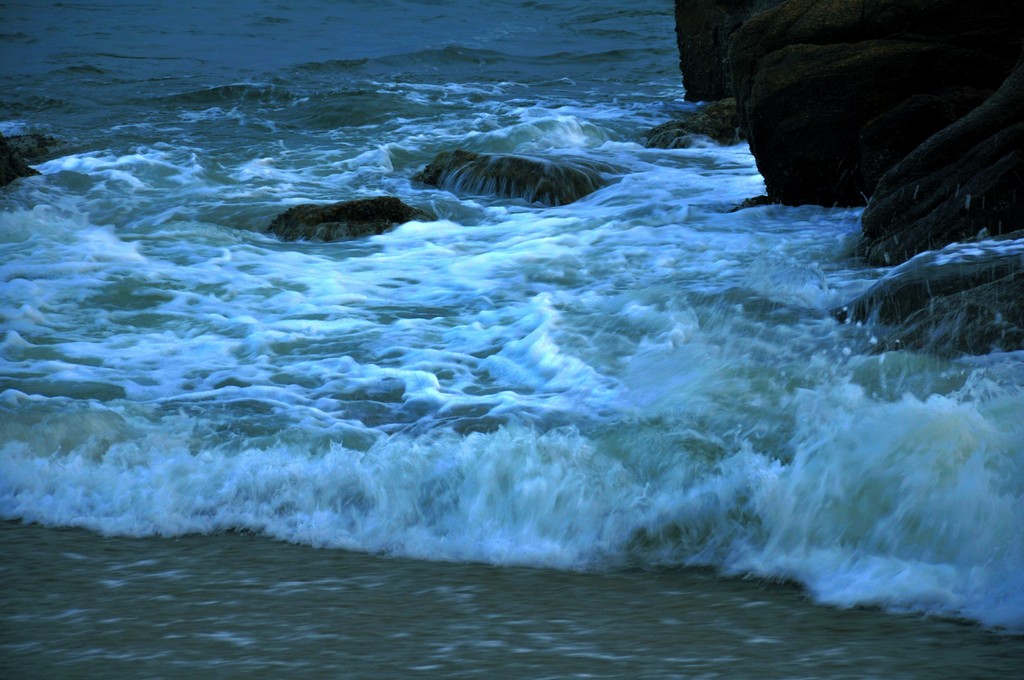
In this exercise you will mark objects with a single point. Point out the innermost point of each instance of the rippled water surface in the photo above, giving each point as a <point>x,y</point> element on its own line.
<point>620,436</point>
<point>241,606</point>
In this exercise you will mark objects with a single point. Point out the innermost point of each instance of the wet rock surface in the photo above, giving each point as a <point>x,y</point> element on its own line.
<point>512,176</point>
<point>967,178</point>
<point>34,147</point>
<point>703,31</point>
<point>344,220</point>
<point>717,122</point>
<point>12,164</point>
<point>814,77</point>
<point>964,299</point>
<point>912,107</point>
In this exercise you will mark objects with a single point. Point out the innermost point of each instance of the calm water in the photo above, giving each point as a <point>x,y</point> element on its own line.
<point>618,437</point>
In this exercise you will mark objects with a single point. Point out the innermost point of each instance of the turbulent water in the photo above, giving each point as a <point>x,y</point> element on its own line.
<point>641,379</point>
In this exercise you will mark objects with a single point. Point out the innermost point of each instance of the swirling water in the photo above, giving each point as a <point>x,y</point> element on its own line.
<point>556,434</point>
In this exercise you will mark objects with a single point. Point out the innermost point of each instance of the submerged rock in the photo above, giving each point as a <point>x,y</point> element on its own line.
<point>965,179</point>
<point>12,165</point>
<point>965,299</point>
<point>718,121</point>
<point>344,220</point>
<point>511,176</point>
<point>806,75</point>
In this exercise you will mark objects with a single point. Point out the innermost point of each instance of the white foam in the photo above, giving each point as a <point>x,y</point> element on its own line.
<point>869,510</point>
<point>502,498</point>
<point>964,252</point>
<point>910,505</point>
<point>131,169</point>
<point>540,132</point>
<point>10,128</point>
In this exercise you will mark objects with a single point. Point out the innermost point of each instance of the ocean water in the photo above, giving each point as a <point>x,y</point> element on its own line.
<point>619,437</point>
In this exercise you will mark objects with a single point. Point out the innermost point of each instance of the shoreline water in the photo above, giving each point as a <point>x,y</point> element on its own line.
<point>236,604</point>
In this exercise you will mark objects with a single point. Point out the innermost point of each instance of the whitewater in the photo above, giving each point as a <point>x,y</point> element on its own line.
<point>642,380</point>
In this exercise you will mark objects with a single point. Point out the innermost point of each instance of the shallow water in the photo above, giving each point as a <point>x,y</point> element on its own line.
<point>242,606</point>
<point>618,390</point>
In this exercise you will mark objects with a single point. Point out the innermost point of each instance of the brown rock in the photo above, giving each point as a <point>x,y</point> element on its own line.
<point>33,146</point>
<point>533,179</point>
<point>345,220</point>
<point>811,76</point>
<point>12,165</point>
<point>962,300</point>
<point>703,30</point>
<point>717,121</point>
<point>967,178</point>
<point>889,137</point>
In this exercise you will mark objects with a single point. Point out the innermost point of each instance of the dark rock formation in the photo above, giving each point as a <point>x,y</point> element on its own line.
<point>913,106</point>
<point>12,165</point>
<point>534,179</point>
<point>961,300</point>
<point>967,178</point>
<point>752,202</point>
<point>889,137</point>
<point>33,147</point>
<point>703,29</point>
<point>717,121</point>
<point>345,220</point>
<point>820,83</point>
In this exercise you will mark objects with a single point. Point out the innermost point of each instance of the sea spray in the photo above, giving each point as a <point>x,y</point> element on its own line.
<point>909,504</point>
